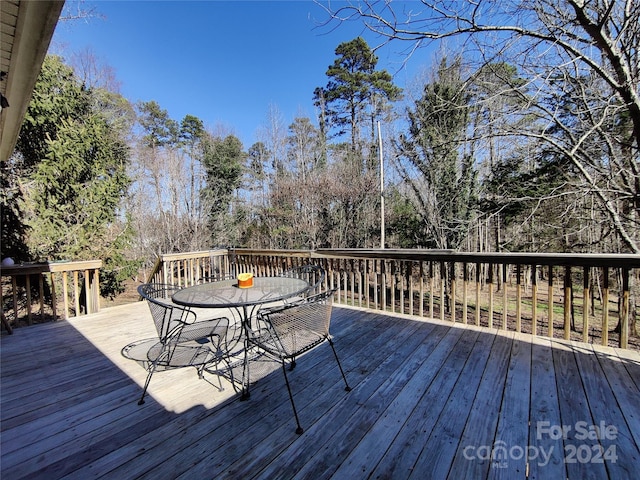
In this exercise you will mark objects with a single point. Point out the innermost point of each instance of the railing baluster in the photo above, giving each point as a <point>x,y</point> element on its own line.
<point>392,284</point>
<point>87,293</point>
<point>409,280</point>
<point>518,298</point>
<point>568,293</point>
<point>490,289</point>
<point>65,294</point>
<point>41,292</point>
<point>29,317</point>
<point>534,300</point>
<point>353,281</point>
<point>54,298</point>
<point>76,293</point>
<point>605,306</point>
<point>431,280</point>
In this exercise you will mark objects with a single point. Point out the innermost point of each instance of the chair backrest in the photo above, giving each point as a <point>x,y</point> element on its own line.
<point>167,316</point>
<point>312,274</point>
<point>301,326</point>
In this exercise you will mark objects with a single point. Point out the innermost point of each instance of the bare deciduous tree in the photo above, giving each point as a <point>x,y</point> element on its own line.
<point>581,62</point>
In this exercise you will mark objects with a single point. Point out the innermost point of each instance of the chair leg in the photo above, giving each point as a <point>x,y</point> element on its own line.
<point>347,388</point>
<point>219,377</point>
<point>245,374</point>
<point>146,383</point>
<point>299,430</point>
<point>203,368</point>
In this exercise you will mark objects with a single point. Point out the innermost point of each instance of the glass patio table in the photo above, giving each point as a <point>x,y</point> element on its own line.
<point>226,294</point>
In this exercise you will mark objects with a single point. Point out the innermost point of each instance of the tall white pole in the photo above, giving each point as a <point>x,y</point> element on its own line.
<point>381,188</point>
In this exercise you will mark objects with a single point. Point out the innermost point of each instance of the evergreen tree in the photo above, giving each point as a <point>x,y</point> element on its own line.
<point>73,166</point>
<point>441,177</point>
<point>223,160</point>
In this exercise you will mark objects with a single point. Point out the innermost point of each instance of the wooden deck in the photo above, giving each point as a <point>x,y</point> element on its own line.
<point>430,400</point>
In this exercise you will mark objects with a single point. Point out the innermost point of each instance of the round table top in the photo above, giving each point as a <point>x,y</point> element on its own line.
<point>226,293</point>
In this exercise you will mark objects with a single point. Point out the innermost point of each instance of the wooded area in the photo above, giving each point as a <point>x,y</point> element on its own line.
<point>524,137</point>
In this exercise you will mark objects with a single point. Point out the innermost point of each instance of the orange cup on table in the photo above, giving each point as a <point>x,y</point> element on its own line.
<point>245,280</point>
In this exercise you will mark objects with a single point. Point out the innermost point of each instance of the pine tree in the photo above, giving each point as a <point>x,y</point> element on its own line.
<point>354,87</point>
<point>73,170</point>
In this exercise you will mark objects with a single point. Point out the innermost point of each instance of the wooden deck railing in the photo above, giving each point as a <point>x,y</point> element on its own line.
<point>48,291</point>
<point>190,268</point>
<point>583,297</point>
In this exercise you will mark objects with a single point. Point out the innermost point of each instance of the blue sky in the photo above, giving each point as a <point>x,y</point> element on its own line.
<point>225,62</point>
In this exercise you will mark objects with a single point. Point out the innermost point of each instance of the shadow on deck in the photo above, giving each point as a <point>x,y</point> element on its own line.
<point>429,400</point>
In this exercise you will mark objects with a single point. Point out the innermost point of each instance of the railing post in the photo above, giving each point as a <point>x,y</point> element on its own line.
<point>442,284</point>
<point>360,283</point>
<point>409,281</point>
<point>421,288</point>
<point>453,291</point>
<point>586,295</point>
<point>568,302</point>
<point>624,310</point>
<point>465,287</point>
<point>96,290</point>
<point>550,301</point>
<point>87,292</point>
<point>477,294</point>
<point>518,298</point>
<point>534,299</point>
<point>605,306</point>
<point>76,292</point>
<point>504,297</point>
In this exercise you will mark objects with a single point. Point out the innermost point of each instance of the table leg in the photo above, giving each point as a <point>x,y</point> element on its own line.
<point>245,368</point>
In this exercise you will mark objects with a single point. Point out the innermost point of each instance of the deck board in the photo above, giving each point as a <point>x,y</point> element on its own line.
<point>427,397</point>
<point>513,422</point>
<point>545,407</point>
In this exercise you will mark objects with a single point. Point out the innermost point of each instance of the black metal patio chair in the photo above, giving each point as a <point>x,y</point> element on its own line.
<point>182,341</point>
<point>287,331</point>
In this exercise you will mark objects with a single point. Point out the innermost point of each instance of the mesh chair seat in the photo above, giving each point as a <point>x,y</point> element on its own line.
<point>288,331</point>
<point>180,355</point>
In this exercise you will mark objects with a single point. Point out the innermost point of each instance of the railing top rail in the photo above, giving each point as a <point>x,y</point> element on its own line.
<point>186,255</point>
<point>514,258</point>
<point>274,253</point>
<point>555,259</point>
<point>31,268</point>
